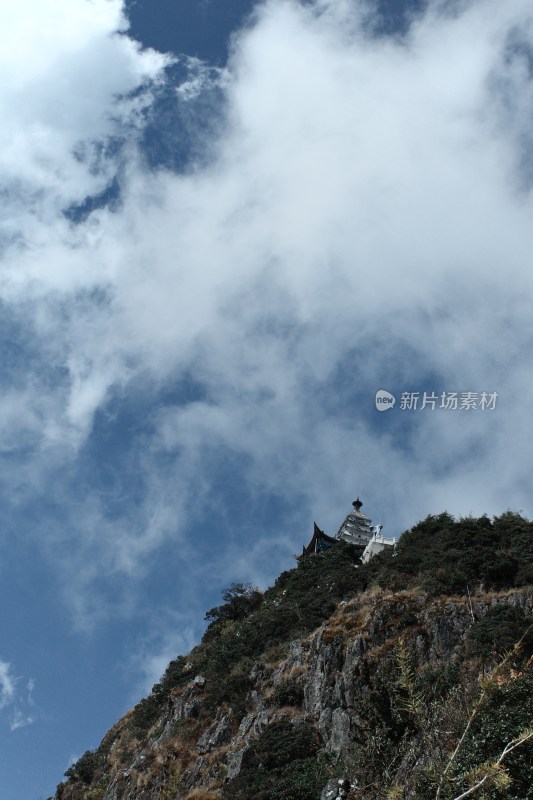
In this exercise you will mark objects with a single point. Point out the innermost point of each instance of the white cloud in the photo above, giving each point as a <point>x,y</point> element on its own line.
<point>30,689</point>
<point>11,700</point>
<point>364,220</point>
<point>7,684</point>
<point>20,720</point>
<point>64,73</point>
<point>169,635</point>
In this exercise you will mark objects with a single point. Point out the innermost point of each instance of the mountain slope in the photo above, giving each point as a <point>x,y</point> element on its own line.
<point>367,675</point>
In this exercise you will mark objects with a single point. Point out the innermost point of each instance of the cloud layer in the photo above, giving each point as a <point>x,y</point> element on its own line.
<point>12,700</point>
<point>360,219</point>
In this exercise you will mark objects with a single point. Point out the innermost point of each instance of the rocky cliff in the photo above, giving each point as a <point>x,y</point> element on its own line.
<point>346,681</point>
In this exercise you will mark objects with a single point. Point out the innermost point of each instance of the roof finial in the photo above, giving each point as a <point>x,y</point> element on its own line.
<point>357,504</point>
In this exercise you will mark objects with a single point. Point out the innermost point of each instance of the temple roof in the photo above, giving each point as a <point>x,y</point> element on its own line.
<point>356,529</point>
<point>320,542</point>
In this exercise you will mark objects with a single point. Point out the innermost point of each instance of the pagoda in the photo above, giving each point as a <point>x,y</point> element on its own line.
<point>356,530</point>
<point>357,527</point>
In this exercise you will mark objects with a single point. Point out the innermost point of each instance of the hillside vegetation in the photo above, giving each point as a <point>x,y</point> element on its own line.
<point>369,675</point>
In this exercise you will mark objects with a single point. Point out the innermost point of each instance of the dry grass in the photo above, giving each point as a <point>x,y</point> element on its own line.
<point>377,652</point>
<point>275,655</point>
<point>202,794</point>
<point>333,632</point>
<point>217,755</point>
<point>297,671</point>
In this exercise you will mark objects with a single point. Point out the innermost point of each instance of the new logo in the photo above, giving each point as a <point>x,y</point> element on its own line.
<point>384,400</point>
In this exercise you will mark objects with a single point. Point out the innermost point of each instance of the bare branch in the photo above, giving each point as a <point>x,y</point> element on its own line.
<point>506,750</point>
<point>484,694</point>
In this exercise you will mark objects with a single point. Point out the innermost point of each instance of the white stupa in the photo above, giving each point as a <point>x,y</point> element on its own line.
<point>356,528</point>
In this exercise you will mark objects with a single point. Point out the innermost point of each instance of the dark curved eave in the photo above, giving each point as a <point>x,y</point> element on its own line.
<point>320,541</point>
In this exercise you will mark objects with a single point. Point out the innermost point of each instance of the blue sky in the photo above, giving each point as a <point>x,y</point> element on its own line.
<point>222,230</point>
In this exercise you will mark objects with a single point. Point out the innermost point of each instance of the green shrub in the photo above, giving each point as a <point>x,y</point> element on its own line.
<point>281,743</point>
<point>145,714</point>
<point>497,632</point>
<point>445,556</point>
<point>508,712</point>
<point>230,689</point>
<point>288,694</point>
<point>85,768</point>
<point>240,600</point>
<point>281,765</point>
<point>96,792</point>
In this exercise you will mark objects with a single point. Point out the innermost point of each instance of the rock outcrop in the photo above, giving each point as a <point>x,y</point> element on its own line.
<point>369,704</point>
<point>185,752</point>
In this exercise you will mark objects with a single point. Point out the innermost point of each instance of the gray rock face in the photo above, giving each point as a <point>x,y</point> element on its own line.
<point>234,761</point>
<point>194,777</point>
<point>217,734</point>
<point>188,705</point>
<point>339,737</point>
<point>332,666</point>
<point>334,726</point>
<point>338,789</point>
<point>321,686</point>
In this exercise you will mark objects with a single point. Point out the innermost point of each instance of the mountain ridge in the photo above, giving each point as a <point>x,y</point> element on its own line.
<point>344,680</point>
